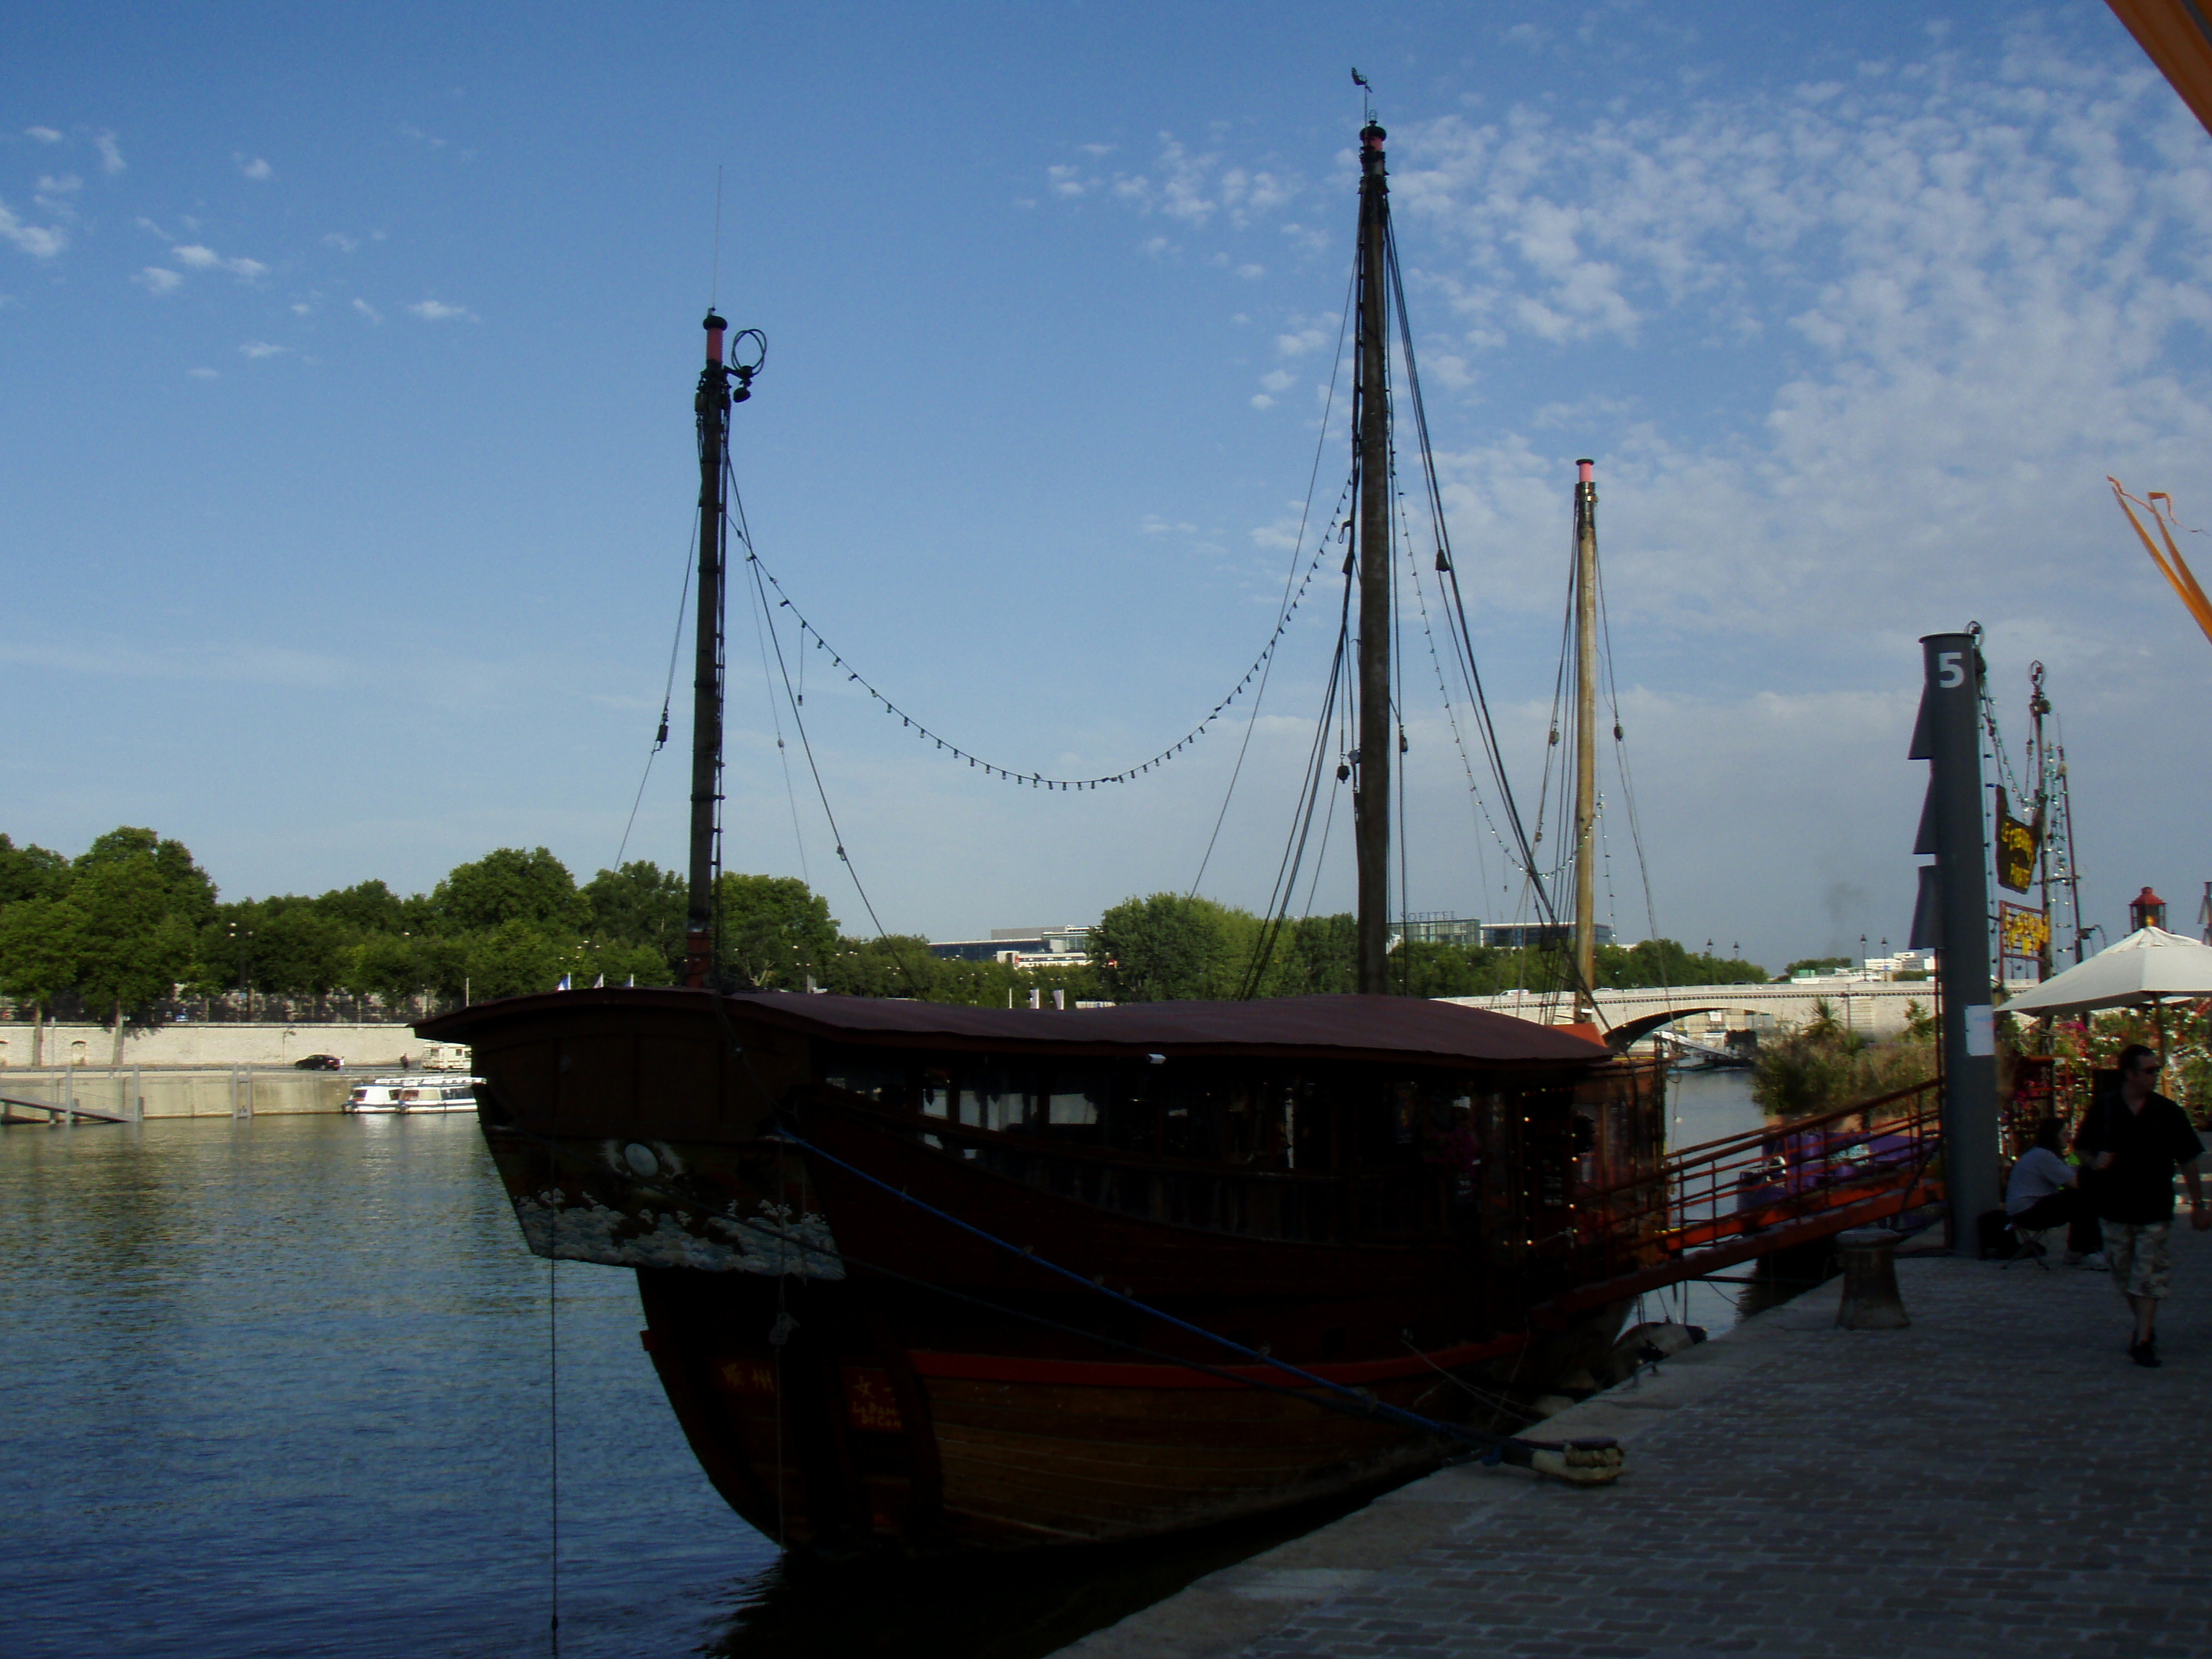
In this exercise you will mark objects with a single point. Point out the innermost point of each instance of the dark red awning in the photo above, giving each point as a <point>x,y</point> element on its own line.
<point>1344,1027</point>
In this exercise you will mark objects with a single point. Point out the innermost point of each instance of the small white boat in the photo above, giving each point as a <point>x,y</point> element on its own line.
<point>441,1093</point>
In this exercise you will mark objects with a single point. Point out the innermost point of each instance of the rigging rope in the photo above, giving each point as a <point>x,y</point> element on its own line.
<point>1359,1401</point>
<point>667,689</point>
<point>1282,611</point>
<point>1463,636</point>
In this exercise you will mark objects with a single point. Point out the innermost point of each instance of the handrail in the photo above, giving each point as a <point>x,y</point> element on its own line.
<point>1743,1138</point>
<point>1778,1177</point>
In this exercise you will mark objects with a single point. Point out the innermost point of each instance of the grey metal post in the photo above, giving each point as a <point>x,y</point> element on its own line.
<point>1949,735</point>
<point>138,1096</point>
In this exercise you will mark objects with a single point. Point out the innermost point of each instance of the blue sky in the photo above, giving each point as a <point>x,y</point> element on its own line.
<point>349,355</point>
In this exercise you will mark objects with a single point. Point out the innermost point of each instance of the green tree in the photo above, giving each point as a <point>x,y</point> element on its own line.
<point>1665,961</point>
<point>135,945</point>
<point>1818,964</point>
<point>518,957</point>
<point>1169,946</point>
<point>41,950</point>
<point>367,907</point>
<point>1319,956</point>
<point>774,931</point>
<point>889,965</point>
<point>30,873</point>
<point>383,966</point>
<point>508,885</point>
<point>641,904</point>
<point>187,890</point>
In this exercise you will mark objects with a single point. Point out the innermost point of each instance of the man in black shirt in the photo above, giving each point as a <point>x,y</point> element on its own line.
<point>2135,1140</point>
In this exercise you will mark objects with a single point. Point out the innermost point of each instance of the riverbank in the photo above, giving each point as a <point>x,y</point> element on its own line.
<point>1998,1479</point>
<point>215,1043</point>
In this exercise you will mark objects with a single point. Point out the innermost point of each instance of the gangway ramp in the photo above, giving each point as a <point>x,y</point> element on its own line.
<point>1722,1202</point>
<point>56,1111</point>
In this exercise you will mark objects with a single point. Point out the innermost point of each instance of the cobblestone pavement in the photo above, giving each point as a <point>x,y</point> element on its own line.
<point>1999,1479</point>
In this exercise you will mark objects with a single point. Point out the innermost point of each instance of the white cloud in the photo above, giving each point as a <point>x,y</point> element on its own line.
<point>202,373</point>
<point>301,308</point>
<point>111,154</point>
<point>156,279</point>
<point>251,166</point>
<point>206,258</point>
<point>42,135</point>
<point>257,350</point>
<point>1261,400</point>
<point>437,311</point>
<point>1192,188</point>
<point>50,185</point>
<point>1278,380</point>
<point>1250,272</point>
<point>341,241</point>
<point>369,310</point>
<point>39,241</point>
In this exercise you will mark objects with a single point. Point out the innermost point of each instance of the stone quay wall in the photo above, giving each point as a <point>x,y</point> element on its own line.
<point>386,1047</point>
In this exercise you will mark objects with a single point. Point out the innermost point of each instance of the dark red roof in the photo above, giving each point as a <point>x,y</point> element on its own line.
<point>1342,1027</point>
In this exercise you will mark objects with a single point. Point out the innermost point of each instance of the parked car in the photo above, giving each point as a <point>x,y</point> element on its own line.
<point>318,1063</point>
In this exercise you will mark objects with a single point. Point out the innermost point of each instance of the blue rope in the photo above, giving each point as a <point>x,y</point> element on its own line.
<point>1368,1404</point>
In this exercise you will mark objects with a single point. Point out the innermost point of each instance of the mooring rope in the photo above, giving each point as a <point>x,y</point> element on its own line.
<point>1360,1401</point>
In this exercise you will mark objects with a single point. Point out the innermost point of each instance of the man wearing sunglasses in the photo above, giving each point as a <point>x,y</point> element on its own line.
<point>2135,1140</point>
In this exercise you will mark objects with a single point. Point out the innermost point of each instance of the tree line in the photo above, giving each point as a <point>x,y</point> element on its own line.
<point>118,931</point>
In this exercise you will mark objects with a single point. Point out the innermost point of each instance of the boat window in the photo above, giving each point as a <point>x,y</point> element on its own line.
<point>1190,1115</point>
<point>1073,1102</point>
<point>936,1091</point>
<point>992,1097</point>
<point>863,1072</point>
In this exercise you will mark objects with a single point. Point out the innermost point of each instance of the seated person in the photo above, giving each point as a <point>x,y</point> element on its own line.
<point>2045,1190</point>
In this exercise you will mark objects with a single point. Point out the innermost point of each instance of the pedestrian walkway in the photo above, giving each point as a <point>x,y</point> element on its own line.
<point>1998,1479</point>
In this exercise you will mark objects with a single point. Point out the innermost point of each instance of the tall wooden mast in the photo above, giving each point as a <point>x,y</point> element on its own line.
<point>1371,794</point>
<point>1585,740</point>
<point>713,403</point>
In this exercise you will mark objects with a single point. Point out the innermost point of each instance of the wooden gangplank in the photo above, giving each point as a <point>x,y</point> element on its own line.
<point>1730,1201</point>
<point>56,1112</point>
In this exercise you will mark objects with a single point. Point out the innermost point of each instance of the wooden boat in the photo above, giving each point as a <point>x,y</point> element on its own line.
<point>943,1277</point>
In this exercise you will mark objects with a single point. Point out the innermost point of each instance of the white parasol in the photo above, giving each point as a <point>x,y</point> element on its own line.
<point>2148,966</point>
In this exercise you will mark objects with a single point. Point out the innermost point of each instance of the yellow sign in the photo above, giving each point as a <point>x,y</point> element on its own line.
<point>2021,932</point>
<point>2016,851</point>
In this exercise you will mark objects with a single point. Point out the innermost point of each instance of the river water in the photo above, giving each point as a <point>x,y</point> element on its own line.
<point>282,1387</point>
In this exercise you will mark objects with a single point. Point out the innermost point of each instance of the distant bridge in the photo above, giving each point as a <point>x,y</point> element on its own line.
<point>1871,1006</point>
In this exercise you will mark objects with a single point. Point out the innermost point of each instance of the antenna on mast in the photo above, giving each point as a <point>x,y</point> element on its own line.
<point>714,272</point>
<point>1367,98</point>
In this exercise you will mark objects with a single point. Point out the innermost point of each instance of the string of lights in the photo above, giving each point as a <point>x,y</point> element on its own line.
<point>810,634</point>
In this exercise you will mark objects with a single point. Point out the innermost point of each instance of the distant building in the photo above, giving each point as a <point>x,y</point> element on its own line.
<point>1435,927</point>
<point>1537,935</point>
<point>1021,947</point>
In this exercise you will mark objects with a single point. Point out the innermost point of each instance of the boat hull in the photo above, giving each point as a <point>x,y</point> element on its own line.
<point>855,1370</point>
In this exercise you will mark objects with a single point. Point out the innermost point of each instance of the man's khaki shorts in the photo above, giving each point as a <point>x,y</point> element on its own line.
<point>2141,1254</point>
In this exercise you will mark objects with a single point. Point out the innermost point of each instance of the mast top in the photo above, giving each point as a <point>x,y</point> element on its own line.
<point>1583,469</point>
<point>713,326</point>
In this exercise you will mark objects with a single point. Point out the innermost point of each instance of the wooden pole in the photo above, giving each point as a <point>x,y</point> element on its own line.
<point>712,405</point>
<point>1370,795</point>
<point>1585,742</point>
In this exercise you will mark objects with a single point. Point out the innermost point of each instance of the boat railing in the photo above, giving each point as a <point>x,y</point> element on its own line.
<point>1762,1181</point>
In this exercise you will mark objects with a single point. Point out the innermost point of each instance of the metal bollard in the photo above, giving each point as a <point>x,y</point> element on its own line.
<point>1871,1302</point>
